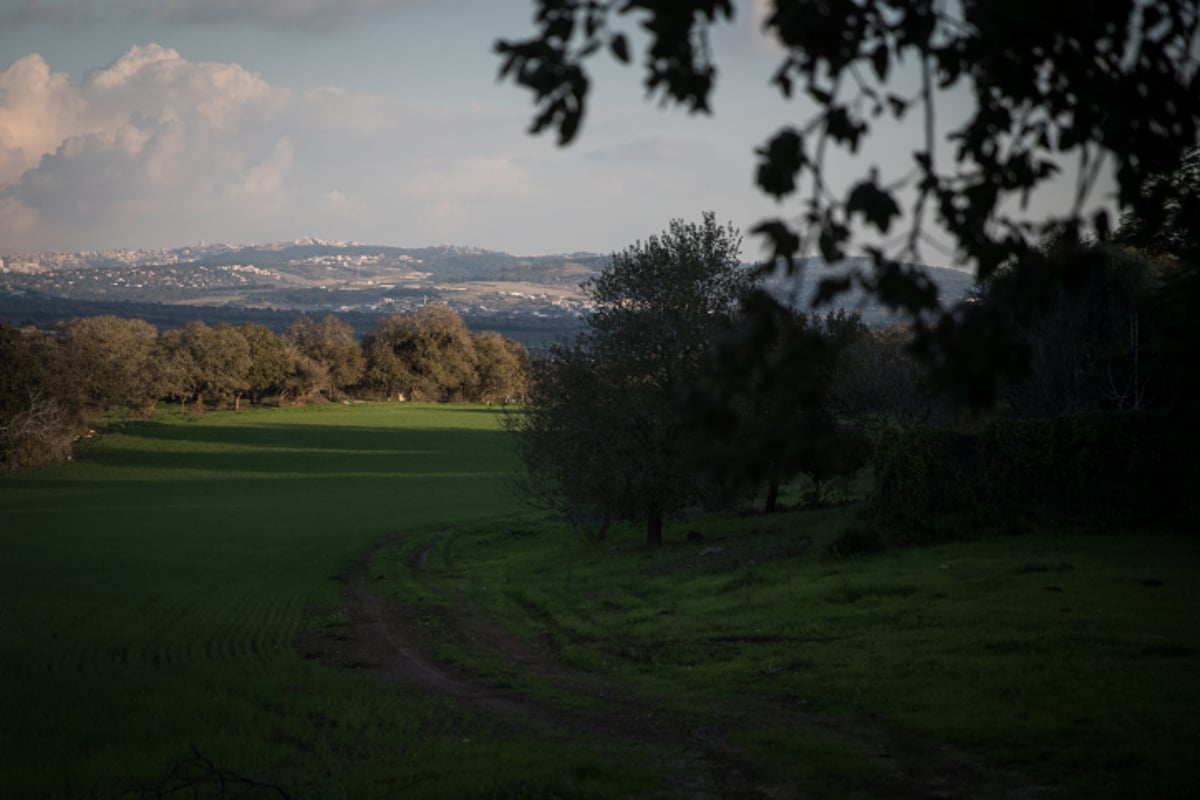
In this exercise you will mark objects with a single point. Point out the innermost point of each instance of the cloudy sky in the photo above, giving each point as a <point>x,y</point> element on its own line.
<point>147,123</point>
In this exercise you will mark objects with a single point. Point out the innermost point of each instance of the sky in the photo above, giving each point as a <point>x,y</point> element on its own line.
<point>162,123</point>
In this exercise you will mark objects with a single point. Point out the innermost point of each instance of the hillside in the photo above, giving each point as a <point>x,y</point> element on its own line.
<point>532,298</point>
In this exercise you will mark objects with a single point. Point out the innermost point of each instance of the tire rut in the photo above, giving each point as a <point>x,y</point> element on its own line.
<point>380,639</point>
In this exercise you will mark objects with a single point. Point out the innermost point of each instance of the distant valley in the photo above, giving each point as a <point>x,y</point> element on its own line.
<point>534,299</point>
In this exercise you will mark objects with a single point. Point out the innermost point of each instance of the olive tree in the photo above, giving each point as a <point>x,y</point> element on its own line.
<point>39,409</point>
<point>427,354</point>
<point>270,362</point>
<point>502,367</point>
<point>606,413</point>
<point>109,361</point>
<point>327,353</point>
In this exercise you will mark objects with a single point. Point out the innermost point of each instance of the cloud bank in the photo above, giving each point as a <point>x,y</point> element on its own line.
<point>156,149</point>
<point>146,137</point>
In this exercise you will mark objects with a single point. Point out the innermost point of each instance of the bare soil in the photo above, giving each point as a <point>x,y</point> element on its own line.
<point>689,749</point>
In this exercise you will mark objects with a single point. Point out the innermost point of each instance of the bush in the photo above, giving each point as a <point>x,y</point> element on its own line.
<point>859,538</point>
<point>1115,466</point>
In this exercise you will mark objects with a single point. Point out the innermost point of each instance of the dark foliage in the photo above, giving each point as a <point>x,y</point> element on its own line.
<point>1109,467</point>
<point>769,419</point>
<point>605,433</point>
<point>1114,86</point>
<point>40,416</point>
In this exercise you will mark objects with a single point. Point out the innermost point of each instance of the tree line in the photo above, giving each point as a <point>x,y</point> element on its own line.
<point>693,388</point>
<point>54,385</point>
<point>652,410</point>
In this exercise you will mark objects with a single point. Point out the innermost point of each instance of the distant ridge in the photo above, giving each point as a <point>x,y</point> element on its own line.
<point>535,296</point>
<point>953,287</point>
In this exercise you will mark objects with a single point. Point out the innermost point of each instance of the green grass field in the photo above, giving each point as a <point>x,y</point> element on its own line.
<point>152,589</point>
<point>152,592</point>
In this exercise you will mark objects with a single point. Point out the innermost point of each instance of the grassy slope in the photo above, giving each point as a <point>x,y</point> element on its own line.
<point>1068,659</point>
<point>152,589</point>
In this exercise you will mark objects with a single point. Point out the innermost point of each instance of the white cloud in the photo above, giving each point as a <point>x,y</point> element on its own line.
<point>265,181</point>
<point>38,110</point>
<point>155,149</point>
<point>155,141</point>
<point>158,81</point>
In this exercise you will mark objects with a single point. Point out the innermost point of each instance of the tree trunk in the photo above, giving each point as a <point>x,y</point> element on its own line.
<point>654,525</point>
<point>605,522</point>
<point>772,495</point>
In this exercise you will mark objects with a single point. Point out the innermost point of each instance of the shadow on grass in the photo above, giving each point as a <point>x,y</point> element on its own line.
<point>298,450</point>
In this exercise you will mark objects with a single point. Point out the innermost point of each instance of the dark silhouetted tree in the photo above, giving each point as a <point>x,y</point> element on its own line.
<point>879,381</point>
<point>657,308</point>
<point>769,419</point>
<point>572,441</point>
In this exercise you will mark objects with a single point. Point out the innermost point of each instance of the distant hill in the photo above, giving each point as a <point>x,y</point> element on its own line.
<point>953,285</point>
<point>535,298</point>
<point>315,259</point>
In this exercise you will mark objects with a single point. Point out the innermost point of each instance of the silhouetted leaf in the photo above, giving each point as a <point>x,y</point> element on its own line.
<point>879,60</point>
<point>783,158</point>
<point>833,236</point>
<point>820,95</point>
<point>828,290</point>
<point>843,127</point>
<point>876,206</point>
<point>784,241</point>
<point>619,47</point>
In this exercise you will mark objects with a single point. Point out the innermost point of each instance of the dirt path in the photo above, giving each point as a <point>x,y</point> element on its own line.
<point>381,640</point>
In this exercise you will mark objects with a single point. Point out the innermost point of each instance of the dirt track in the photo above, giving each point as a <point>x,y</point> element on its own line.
<point>691,753</point>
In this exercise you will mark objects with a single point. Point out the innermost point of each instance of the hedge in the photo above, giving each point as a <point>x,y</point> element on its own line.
<point>1121,466</point>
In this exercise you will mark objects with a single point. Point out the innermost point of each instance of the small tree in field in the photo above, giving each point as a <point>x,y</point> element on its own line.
<point>605,425</point>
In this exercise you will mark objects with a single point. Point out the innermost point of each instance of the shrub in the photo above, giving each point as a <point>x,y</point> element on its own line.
<point>1116,466</point>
